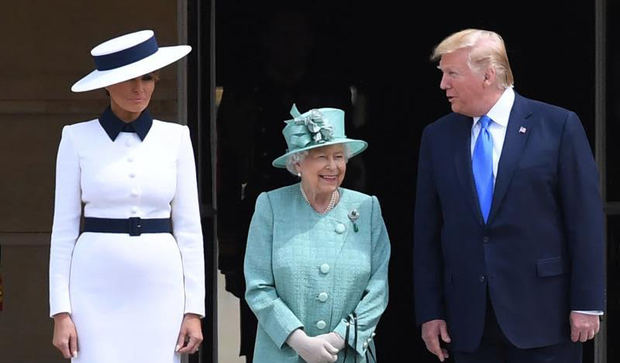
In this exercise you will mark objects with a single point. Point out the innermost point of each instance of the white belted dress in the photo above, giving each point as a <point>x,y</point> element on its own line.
<point>126,294</point>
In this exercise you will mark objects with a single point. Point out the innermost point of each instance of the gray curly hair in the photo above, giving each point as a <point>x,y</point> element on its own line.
<point>300,156</point>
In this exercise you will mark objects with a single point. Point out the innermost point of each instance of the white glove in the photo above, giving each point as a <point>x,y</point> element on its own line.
<point>312,349</point>
<point>334,339</point>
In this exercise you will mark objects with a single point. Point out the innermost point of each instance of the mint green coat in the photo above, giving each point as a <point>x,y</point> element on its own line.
<point>311,271</point>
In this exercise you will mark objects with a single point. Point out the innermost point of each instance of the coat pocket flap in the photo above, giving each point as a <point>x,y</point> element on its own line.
<point>550,267</point>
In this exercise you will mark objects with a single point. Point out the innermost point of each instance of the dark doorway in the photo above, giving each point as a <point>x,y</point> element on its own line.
<point>372,59</point>
<point>612,176</point>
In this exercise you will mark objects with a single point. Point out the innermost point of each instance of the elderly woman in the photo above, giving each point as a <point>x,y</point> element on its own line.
<point>128,287</point>
<point>316,264</point>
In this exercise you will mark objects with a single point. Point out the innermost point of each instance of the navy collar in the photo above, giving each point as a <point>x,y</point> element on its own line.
<point>113,125</point>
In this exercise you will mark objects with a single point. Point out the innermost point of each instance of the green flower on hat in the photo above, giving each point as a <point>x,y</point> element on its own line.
<point>317,129</point>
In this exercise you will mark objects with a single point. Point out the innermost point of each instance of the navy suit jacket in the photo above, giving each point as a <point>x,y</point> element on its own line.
<point>541,252</point>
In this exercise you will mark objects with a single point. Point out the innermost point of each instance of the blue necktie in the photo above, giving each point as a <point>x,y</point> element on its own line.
<point>482,165</point>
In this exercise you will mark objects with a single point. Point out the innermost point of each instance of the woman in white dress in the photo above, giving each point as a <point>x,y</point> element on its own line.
<point>128,286</point>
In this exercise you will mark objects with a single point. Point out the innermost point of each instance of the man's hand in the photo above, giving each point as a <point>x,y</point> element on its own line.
<point>431,331</point>
<point>583,327</point>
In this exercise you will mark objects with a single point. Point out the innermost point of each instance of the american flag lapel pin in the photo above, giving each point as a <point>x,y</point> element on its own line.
<point>522,130</point>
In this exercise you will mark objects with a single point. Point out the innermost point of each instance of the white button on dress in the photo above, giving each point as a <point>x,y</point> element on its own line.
<point>340,228</point>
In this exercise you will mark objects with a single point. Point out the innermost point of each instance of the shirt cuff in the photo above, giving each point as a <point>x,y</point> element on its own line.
<point>589,312</point>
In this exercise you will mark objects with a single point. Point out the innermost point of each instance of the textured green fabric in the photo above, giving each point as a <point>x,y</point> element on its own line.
<point>288,243</point>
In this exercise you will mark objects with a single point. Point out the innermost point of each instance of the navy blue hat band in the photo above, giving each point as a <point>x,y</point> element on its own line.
<point>126,56</point>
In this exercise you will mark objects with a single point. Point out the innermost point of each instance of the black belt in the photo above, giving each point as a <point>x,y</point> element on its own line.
<point>134,226</point>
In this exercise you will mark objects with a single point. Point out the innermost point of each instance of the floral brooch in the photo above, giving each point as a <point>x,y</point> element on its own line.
<point>353,216</point>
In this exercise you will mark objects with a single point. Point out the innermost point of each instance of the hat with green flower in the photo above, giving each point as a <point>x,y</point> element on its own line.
<point>316,128</point>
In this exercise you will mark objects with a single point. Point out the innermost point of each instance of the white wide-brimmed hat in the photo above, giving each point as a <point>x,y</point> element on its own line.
<point>126,57</point>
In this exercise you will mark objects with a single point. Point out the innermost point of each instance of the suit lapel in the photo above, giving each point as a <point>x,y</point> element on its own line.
<point>462,159</point>
<point>517,132</point>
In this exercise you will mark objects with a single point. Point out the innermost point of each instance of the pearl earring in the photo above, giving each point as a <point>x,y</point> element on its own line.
<point>299,174</point>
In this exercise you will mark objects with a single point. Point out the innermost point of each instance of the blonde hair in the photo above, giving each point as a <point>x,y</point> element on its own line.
<point>487,49</point>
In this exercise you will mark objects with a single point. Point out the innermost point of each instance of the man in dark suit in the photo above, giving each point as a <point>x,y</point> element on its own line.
<point>509,250</point>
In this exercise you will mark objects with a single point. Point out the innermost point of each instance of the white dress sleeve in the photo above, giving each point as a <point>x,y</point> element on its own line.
<point>66,227</point>
<point>186,227</point>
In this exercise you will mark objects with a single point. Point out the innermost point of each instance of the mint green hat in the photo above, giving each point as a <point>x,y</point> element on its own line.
<point>316,128</point>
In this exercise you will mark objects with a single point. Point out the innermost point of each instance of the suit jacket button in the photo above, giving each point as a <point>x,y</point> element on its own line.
<point>483,278</point>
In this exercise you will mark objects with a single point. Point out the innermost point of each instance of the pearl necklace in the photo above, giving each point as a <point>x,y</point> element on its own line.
<point>332,200</point>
